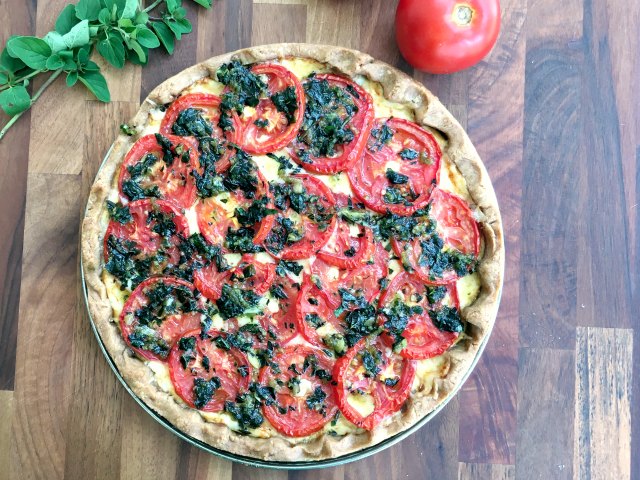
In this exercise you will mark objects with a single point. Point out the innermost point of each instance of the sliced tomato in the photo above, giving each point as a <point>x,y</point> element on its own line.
<point>423,338</point>
<point>364,277</point>
<point>149,170</point>
<point>206,105</point>
<point>142,232</point>
<point>314,311</point>
<point>304,397</point>
<point>206,376</point>
<point>333,102</point>
<point>399,168</point>
<point>268,129</point>
<point>348,250</point>
<point>455,227</point>
<point>283,321</point>
<point>149,325</point>
<point>249,274</point>
<point>384,389</point>
<point>312,232</point>
<point>216,215</point>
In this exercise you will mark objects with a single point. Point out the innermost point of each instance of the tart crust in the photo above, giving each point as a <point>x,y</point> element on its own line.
<point>480,316</point>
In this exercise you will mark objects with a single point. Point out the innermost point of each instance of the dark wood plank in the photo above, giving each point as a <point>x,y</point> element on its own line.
<point>243,472</point>
<point>196,464</point>
<point>239,14</point>
<point>162,66</point>
<point>552,158</point>
<point>378,37</point>
<point>429,453</point>
<point>485,471</point>
<point>545,414</point>
<point>278,23</point>
<point>604,286</point>
<point>603,403</point>
<point>495,125</point>
<point>14,154</point>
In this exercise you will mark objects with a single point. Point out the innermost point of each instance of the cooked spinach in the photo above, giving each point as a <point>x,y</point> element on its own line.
<point>241,240</point>
<point>408,154</point>
<point>360,323</point>
<point>119,213</point>
<point>146,338</point>
<point>285,265</point>
<point>397,315</point>
<point>245,89</point>
<point>234,301</point>
<point>371,360</point>
<point>203,390</point>
<point>438,260</point>
<point>133,191</point>
<point>396,178</point>
<point>381,135</point>
<point>435,294</point>
<point>191,122</point>
<point>314,320</point>
<point>315,401</point>
<point>286,102</point>
<point>328,113</point>
<point>254,213</point>
<point>242,174</point>
<point>447,319</point>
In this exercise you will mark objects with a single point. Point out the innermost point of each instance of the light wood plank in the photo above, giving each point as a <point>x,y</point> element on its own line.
<point>58,115</point>
<point>45,331</point>
<point>243,472</point>
<point>331,22</point>
<point>545,419</point>
<point>485,471</point>
<point>6,413</point>
<point>149,451</point>
<point>196,464</point>
<point>278,23</point>
<point>333,473</point>
<point>604,364</point>
<point>124,83</point>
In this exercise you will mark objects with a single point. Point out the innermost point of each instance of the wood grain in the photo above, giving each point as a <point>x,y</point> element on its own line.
<point>552,156</point>
<point>48,308</point>
<point>603,403</point>
<point>14,159</point>
<point>484,471</point>
<point>553,111</point>
<point>545,417</point>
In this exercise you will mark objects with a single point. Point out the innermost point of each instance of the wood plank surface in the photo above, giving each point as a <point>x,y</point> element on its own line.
<point>553,111</point>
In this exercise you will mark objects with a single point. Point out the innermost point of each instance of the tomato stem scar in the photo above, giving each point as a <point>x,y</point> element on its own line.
<point>462,14</point>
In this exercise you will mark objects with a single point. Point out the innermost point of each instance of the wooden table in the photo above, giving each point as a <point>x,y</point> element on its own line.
<point>553,113</point>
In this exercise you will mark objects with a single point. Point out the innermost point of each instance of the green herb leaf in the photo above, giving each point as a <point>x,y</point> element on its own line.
<point>55,41</point>
<point>88,9</point>
<point>96,83</point>
<point>78,35</point>
<point>204,3</point>
<point>54,62</point>
<point>15,100</point>
<point>66,20</point>
<point>112,50</point>
<point>164,34</point>
<point>32,51</point>
<point>72,78</point>
<point>147,38</point>
<point>129,10</point>
<point>104,17</point>
<point>10,64</point>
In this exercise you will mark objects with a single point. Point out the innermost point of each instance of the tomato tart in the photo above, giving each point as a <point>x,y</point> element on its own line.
<point>292,252</point>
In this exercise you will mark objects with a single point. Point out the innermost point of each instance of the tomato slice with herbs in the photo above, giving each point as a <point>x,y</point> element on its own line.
<point>304,397</point>
<point>420,321</point>
<point>305,218</point>
<point>249,274</point>
<point>451,251</point>
<point>193,114</point>
<point>143,239</point>
<point>156,313</point>
<point>399,168</point>
<point>373,382</point>
<point>236,211</point>
<point>282,322</point>
<point>364,278</point>
<point>349,248</point>
<point>337,119</point>
<point>206,373</point>
<point>275,121</point>
<point>160,166</point>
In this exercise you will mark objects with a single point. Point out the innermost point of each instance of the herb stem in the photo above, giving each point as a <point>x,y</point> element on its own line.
<point>21,79</point>
<point>152,6</point>
<point>44,86</point>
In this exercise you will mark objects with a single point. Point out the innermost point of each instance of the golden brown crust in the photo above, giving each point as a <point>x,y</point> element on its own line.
<point>480,315</point>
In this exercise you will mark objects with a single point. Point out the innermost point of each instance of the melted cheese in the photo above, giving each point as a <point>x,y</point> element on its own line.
<point>206,85</point>
<point>361,403</point>
<point>468,289</point>
<point>427,371</point>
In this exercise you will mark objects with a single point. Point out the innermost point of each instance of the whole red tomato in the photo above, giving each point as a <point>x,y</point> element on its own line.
<point>445,36</point>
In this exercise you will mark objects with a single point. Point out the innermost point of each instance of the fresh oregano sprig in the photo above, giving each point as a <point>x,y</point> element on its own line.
<point>120,31</point>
